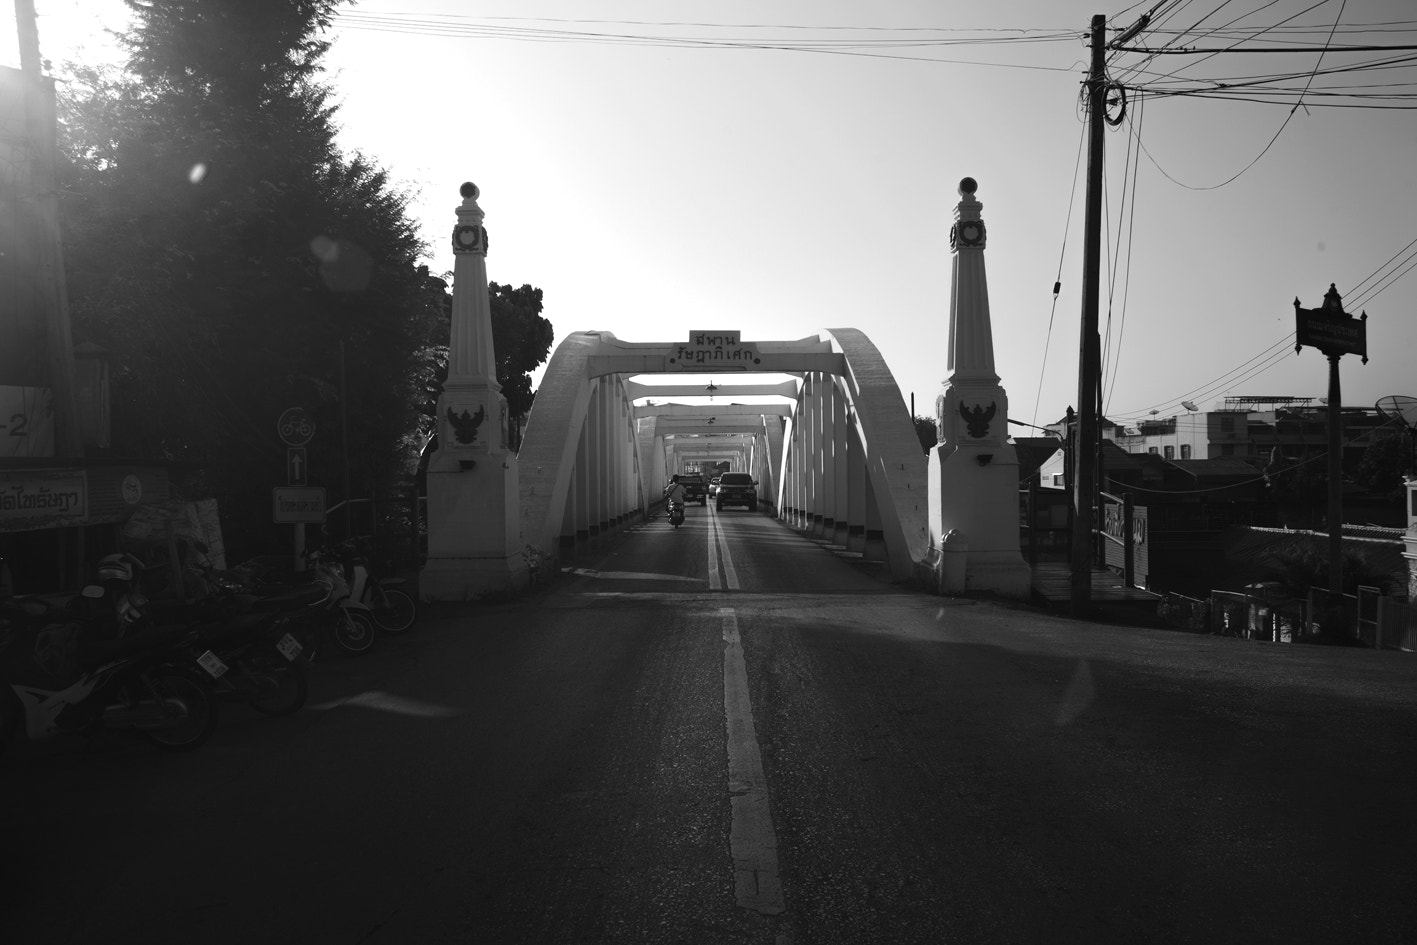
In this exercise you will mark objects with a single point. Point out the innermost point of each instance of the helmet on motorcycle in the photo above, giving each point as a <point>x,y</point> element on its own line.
<point>118,567</point>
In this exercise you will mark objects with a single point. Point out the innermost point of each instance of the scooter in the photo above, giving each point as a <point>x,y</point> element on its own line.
<point>676,513</point>
<point>317,601</point>
<point>393,610</point>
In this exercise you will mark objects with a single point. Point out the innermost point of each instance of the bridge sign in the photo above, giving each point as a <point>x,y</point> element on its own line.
<point>720,350</point>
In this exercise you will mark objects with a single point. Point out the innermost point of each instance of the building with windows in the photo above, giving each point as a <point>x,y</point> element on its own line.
<point>1254,429</point>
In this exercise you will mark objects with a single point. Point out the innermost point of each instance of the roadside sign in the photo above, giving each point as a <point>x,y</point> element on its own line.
<point>295,466</point>
<point>298,505</point>
<point>295,427</point>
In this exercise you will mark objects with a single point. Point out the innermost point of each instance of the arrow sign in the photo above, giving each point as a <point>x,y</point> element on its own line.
<point>296,466</point>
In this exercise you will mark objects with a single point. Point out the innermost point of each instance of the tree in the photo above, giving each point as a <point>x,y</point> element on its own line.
<point>521,342</point>
<point>1386,463</point>
<point>226,253</point>
<point>926,430</point>
<point>1299,490</point>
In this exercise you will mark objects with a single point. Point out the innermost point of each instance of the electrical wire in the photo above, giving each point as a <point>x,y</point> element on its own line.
<point>1058,282</point>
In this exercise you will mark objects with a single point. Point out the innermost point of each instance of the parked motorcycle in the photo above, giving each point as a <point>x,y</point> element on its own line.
<point>317,600</point>
<point>64,674</point>
<point>250,654</point>
<point>393,610</point>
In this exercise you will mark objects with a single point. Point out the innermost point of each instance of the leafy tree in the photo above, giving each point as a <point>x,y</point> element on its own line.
<point>1299,490</point>
<point>521,342</point>
<point>926,430</point>
<point>1385,464</point>
<point>235,262</point>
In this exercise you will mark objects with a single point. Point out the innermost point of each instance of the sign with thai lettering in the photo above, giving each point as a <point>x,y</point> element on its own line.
<point>43,498</point>
<point>1330,329</point>
<point>719,350</point>
<point>297,504</point>
<point>26,422</point>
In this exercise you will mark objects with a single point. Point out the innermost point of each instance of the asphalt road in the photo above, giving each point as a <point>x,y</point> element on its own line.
<point>730,733</point>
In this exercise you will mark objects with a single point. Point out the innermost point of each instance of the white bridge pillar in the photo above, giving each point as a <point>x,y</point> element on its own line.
<point>474,532</point>
<point>973,471</point>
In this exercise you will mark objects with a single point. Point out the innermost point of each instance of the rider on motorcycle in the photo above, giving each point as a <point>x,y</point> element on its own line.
<point>674,501</point>
<point>674,492</point>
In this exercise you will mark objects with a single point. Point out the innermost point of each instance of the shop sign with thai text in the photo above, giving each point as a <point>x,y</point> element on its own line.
<point>43,498</point>
<point>714,351</point>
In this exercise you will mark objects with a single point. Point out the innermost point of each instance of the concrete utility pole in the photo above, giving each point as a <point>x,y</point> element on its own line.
<point>50,295</point>
<point>1090,355</point>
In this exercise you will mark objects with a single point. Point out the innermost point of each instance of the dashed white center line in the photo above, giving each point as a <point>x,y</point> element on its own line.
<point>752,840</point>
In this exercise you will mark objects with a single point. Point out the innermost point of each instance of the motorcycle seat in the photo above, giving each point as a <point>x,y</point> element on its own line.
<point>291,598</point>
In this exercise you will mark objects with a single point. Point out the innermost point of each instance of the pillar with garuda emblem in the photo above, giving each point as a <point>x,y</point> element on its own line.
<point>474,532</point>
<point>974,477</point>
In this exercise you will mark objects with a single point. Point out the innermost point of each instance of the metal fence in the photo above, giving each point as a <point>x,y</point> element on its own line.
<point>1397,625</point>
<point>1372,619</point>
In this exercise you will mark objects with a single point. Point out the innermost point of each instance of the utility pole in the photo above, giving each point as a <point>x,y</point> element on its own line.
<point>1090,356</point>
<point>38,183</point>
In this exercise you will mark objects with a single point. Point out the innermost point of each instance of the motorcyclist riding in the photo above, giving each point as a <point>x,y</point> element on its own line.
<point>674,492</point>
<point>674,501</point>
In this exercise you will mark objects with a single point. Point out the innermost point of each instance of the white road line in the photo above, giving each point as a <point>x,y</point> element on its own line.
<point>730,573</point>
<point>751,838</point>
<point>715,582</point>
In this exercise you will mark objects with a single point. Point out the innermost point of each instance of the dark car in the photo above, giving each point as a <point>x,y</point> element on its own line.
<point>694,489</point>
<point>737,489</point>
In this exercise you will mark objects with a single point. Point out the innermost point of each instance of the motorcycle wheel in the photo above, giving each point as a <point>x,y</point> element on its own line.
<point>278,686</point>
<point>394,611</point>
<point>189,704</point>
<point>354,632</point>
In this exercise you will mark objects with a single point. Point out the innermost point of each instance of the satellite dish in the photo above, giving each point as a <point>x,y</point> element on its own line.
<point>1155,412</point>
<point>1400,409</point>
<point>1189,405</point>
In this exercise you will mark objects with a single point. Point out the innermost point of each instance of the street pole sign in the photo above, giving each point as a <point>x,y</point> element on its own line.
<point>298,505</point>
<point>295,465</point>
<point>1330,329</point>
<point>295,427</point>
<point>1335,333</point>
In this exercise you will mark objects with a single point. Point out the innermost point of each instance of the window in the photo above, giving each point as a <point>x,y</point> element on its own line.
<point>1227,424</point>
<point>1151,450</point>
<point>1170,452</point>
<point>1185,451</point>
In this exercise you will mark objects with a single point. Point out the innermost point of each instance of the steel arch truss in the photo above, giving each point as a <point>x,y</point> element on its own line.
<point>831,444</point>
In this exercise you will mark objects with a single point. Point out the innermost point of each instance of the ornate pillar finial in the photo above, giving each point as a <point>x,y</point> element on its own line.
<point>470,236</point>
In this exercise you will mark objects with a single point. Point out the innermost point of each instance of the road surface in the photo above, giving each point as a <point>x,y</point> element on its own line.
<point>732,733</point>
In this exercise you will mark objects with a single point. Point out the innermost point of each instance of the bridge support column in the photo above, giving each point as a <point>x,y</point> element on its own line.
<point>594,471</point>
<point>841,479</point>
<point>819,429</point>
<point>856,489</point>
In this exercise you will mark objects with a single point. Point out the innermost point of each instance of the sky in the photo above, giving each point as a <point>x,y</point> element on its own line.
<point>662,166</point>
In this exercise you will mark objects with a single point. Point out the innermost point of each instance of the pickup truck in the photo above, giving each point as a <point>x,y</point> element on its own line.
<point>695,489</point>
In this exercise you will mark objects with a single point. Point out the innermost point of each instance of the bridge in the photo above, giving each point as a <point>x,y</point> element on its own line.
<point>819,422</point>
<point>833,447</point>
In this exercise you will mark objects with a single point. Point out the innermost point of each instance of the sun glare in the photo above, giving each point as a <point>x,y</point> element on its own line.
<point>69,30</point>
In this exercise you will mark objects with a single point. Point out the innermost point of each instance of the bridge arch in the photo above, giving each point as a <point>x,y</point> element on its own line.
<point>832,445</point>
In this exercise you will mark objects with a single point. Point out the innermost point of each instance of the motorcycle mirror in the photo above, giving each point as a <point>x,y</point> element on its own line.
<point>93,592</point>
